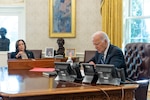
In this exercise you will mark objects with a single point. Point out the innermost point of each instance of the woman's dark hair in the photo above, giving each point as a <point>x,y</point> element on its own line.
<point>17,44</point>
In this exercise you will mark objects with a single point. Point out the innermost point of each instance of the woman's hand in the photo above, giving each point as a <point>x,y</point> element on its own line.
<point>19,54</point>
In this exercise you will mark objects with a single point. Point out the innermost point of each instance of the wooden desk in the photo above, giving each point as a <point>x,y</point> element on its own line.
<point>30,63</point>
<point>26,85</point>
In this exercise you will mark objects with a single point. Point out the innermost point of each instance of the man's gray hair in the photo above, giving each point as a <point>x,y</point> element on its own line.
<point>105,36</point>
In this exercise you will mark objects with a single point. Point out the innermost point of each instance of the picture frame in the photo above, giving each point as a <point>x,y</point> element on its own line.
<point>62,18</point>
<point>70,52</point>
<point>49,52</point>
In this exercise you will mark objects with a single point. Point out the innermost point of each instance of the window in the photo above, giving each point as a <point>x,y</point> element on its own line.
<point>136,21</point>
<point>12,18</point>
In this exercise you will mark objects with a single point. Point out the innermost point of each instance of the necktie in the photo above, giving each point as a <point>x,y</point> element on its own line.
<point>102,59</point>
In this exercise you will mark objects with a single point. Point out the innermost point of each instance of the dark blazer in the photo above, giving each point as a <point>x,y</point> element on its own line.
<point>114,56</point>
<point>28,53</point>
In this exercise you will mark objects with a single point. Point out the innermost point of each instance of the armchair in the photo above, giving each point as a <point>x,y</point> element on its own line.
<point>137,57</point>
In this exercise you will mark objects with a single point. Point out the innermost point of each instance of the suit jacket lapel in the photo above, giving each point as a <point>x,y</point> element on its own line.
<point>108,54</point>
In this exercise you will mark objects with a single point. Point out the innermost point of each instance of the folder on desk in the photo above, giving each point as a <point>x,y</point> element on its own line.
<point>37,69</point>
<point>46,71</point>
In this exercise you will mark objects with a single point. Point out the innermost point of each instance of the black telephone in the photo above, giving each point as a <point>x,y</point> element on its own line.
<point>121,74</point>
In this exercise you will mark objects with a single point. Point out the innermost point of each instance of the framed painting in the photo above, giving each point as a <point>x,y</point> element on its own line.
<point>70,52</point>
<point>62,21</point>
<point>49,52</point>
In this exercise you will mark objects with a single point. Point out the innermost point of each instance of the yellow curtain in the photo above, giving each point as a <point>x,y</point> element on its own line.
<point>111,11</point>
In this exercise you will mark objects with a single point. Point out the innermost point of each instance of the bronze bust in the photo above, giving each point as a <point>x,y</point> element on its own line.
<point>61,49</point>
<point>4,41</point>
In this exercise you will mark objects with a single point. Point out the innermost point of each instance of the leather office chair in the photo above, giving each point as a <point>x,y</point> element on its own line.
<point>37,53</point>
<point>9,55</point>
<point>137,57</point>
<point>88,54</point>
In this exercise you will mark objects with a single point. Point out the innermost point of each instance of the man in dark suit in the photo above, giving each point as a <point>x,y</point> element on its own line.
<point>106,52</point>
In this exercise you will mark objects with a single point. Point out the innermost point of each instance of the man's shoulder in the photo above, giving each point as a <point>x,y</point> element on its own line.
<point>114,47</point>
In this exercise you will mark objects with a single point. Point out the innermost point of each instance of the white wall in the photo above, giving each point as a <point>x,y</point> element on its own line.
<point>88,21</point>
<point>3,59</point>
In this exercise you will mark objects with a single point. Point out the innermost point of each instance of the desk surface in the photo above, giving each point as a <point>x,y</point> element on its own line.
<point>24,83</point>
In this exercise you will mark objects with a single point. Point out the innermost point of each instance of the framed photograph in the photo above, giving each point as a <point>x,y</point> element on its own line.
<point>49,52</point>
<point>70,53</point>
<point>62,21</point>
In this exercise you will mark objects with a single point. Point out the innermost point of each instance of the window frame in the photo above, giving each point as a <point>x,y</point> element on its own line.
<point>16,11</point>
<point>127,16</point>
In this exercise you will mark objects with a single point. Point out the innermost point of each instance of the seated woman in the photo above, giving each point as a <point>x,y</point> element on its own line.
<point>21,52</point>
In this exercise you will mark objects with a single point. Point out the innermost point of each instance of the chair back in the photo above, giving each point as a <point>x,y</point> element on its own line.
<point>137,57</point>
<point>37,53</point>
<point>9,55</point>
<point>88,54</point>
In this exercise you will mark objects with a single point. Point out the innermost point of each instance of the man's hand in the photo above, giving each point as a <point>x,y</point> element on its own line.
<point>91,62</point>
